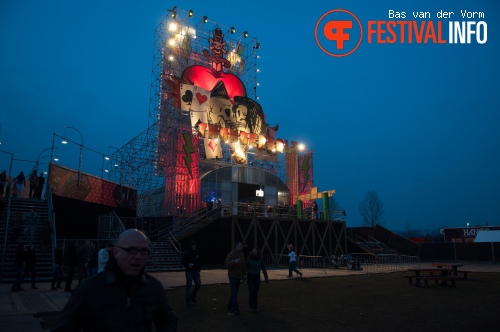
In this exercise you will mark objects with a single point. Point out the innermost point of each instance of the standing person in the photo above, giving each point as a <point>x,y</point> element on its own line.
<point>103,257</point>
<point>33,179</point>
<point>92,267</point>
<point>45,236</point>
<point>39,187</point>
<point>31,222</point>
<point>269,211</point>
<point>20,182</point>
<point>292,267</point>
<point>98,304</point>
<point>71,264</point>
<point>210,207</point>
<point>30,260</point>
<point>19,265</point>
<point>3,183</point>
<point>192,262</point>
<point>58,267</point>
<point>236,271</point>
<point>83,261</point>
<point>255,264</point>
<point>17,226</point>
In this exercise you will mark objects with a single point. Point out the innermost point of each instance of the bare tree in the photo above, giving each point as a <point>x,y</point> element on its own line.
<point>334,208</point>
<point>371,209</point>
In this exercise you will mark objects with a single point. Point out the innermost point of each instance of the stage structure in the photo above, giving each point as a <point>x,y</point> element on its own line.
<point>204,115</point>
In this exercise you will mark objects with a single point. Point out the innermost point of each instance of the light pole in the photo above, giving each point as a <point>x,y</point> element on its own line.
<point>64,141</point>
<point>113,160</point>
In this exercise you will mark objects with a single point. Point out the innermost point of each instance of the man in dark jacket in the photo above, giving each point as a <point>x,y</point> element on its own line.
<point>123,297</point>
<point>71,263</point>
<point>192,262</point>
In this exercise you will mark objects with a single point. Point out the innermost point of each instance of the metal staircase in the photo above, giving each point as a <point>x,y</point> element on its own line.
<point>43,267</point>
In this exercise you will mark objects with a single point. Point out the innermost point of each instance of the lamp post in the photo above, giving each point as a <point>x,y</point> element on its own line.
<point>40,156</point>
<point>64,141</point>
<point>113,160</point>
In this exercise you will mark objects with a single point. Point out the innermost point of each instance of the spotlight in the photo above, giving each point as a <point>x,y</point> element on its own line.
<point>257,46</point>
<point>245,34</point>
<point>174,15</point>
<point>190,13</point>
<point>232,30</point>
<point>106,157</point>
<point>205,19</point>
<point>64,141</point>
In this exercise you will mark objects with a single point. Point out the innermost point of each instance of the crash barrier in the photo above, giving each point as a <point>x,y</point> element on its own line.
<point>385,263</point>
<point>303,262</point>
<point>368,263</point>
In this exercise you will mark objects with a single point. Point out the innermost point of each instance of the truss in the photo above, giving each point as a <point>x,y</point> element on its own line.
<point>153,159</point>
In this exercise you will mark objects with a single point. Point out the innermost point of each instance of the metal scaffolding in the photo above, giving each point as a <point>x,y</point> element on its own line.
<point>154,159</point>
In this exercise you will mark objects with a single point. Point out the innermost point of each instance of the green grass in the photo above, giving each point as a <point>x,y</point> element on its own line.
<point>378,302</point>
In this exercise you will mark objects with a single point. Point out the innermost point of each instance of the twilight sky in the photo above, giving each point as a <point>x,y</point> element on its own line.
<point>417,123</point>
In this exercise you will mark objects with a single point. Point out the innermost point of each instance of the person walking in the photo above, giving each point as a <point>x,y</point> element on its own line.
<point>236,271</point>
<point>30,260</point>
<point>103,257</point>
<point>123,297</point>
<point>71,264</point>
<point>31,222</point>
<point>39,187</point>
<point>255,264</point>
<point>19,266</point>
<point>33,179</point>
<point>58,267</point>
<point>93,260</point>
<point>17,226</point>
<point>20,181</point>
<point>192,262</point>
<point>83,261</point>
<point>45,237</point>
<point>292,267</point>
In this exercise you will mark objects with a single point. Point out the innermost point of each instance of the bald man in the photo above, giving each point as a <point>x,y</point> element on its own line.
<point>123,297</point>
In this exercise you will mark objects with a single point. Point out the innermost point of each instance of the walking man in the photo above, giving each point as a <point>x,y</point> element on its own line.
<point>192,262</point>
<point>31,222</point>
<point>236,271</point>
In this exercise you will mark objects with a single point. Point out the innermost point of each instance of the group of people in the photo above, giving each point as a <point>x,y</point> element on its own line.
<point>15,186</point>
<point>26,223</point>
<point>24,264</point>
<point>247,269</point>
<point>86,258</point>
<point>123,297</point>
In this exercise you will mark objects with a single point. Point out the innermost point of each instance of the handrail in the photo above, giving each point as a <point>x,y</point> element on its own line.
<point>174,242</point>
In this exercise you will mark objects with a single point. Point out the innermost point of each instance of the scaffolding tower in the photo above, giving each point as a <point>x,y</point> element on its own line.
<point>152,162</point>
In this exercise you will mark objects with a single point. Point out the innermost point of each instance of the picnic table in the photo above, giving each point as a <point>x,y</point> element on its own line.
<point>454,268</point>
<point>442,274</point>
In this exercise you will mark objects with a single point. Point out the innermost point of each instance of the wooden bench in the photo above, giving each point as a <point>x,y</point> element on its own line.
<point>426,279</point>
<point>410,278</point>
<point>436,278</point>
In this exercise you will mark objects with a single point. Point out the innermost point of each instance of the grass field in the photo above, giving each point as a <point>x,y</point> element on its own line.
<point>377,302</point>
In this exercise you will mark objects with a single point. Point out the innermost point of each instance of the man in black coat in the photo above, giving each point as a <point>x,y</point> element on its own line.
<point>192,262</point>
<point>71,264</point>
<point>123,297</point>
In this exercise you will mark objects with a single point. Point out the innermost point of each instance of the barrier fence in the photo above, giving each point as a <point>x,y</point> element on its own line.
<point>368,263</point>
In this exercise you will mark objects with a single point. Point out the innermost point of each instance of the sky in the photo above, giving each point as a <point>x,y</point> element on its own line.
<point>416,123</point>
